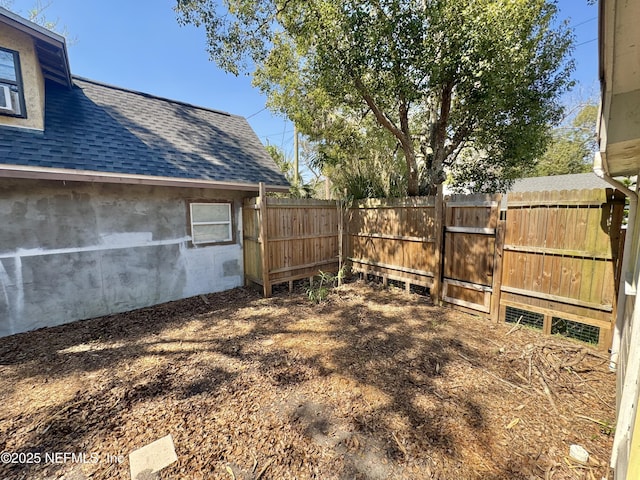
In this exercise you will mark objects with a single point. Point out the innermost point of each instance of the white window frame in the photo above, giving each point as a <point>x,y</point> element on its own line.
<point>194,225</point>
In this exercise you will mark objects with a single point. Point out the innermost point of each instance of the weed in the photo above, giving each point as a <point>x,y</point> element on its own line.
<point>327,281</point>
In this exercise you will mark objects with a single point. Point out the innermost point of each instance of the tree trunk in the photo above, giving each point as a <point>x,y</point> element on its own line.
<point>403,135</point>
<point>438,140</point>
<point>413,182</point>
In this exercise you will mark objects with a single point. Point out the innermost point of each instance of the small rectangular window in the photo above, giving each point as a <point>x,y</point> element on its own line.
<point>11,93</point>
<point>211,223</point>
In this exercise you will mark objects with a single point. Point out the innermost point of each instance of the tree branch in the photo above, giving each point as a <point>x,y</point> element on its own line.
<point>273,17</point>
<point>379,114</point>
<point>458,138</point>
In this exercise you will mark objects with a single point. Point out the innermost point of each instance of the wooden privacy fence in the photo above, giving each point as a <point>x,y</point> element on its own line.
<point>560,261</point>
<point>394,239</point>
<point>553,263</point>
<point>288,239</point>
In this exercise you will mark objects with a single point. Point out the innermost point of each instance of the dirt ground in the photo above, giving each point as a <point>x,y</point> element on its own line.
<point>369,384</point>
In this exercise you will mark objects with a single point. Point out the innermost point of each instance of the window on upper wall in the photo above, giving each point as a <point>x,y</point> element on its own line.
<point>11,94</point>
<point>211,223</point>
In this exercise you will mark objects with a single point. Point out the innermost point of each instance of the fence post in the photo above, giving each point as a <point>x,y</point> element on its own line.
<point>496,284</point>
<point>340,203</point>
<point>439,233</point>
<point>264,245</point>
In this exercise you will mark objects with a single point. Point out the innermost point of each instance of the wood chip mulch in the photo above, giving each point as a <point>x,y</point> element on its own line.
<point>368,384</point>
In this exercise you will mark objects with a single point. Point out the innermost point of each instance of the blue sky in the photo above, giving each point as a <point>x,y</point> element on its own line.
<point>139,45</point>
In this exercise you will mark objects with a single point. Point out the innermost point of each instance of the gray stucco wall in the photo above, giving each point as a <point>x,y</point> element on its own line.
<point>72,250</point>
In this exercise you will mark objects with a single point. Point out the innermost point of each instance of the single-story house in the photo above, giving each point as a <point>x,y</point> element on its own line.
<point>112,199</point>
<point>619,155</point>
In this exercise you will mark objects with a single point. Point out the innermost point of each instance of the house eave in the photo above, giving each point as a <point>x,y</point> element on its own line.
<point>51,48</point>
<point>63,174</point>
<point>619,71</point>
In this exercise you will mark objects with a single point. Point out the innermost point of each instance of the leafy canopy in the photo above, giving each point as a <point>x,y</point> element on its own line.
<point>572,145</point>
<point>465,87</point>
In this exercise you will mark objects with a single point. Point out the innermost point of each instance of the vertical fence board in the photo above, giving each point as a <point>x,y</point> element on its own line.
<point>498,266</point>
<point>264,241</point>
<point>438,233</point>
<point>251,245</point>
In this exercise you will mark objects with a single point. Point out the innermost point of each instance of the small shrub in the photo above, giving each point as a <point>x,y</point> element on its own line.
<point>327,281</point>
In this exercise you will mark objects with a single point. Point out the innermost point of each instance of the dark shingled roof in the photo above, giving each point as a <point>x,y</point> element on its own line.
<point>572,181</point>
<point>102,128</point>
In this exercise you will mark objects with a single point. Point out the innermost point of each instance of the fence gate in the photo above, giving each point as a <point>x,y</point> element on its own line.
<point>470,227</point>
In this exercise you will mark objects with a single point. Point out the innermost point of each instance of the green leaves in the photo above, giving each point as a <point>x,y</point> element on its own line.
<point>572,145</point>
<point>468,88</point>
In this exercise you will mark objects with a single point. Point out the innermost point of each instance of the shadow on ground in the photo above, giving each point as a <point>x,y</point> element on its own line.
<point>355,387</point>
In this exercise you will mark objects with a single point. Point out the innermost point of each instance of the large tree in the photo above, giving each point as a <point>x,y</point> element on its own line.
<point>573,144</point>
<point>449,79</point>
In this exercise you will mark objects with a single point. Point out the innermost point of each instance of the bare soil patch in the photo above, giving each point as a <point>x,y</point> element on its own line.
<point>370,384</point>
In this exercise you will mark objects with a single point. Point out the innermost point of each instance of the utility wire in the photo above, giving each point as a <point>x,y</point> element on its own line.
<point>284,130</point>
<point>588,41</point>
<point>276,133</point>
<point>583,22</point>
<point>254,114</point>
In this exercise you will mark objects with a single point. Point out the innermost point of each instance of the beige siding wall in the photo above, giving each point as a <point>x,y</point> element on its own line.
<point>32,79</point>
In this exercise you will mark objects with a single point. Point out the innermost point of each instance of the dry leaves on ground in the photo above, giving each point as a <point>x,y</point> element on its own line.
<point>369,384</point>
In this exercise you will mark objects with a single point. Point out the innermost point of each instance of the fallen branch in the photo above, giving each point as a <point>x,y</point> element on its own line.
<point>574,464</point>
<point>522,377</point>
<point>493,343</point>
<point>404,450</point>
<point>575,361</point>
<point>593,390</point>
<point>513,385</point>
<point>602,424</point>
<point>264,469</point>
<point>548,474</point>
<point>547,390</point>
<point>506,382</point>
<point>573,348</point>
<point>466,358</point>
<point>515,327</point>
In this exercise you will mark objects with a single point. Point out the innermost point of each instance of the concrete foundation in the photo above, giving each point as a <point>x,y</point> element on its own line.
<point>71,250</point>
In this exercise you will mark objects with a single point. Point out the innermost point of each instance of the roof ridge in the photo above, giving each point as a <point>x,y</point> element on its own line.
<point>156,97</point>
